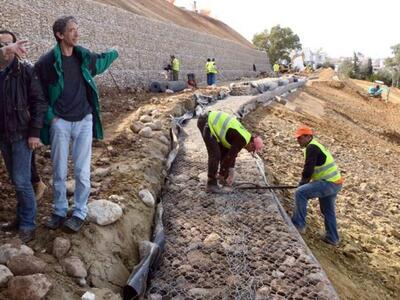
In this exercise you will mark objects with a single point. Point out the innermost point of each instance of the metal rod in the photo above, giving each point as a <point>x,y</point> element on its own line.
<point>272,187</point>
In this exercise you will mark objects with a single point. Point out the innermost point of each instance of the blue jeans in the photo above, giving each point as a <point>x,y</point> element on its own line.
<point>17,157</point>
<point>326,192</point>
<point>213,78</point>
<point>62,132</point>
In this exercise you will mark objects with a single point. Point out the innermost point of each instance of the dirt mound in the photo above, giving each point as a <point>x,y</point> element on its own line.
<point>326,74</point>
<point>167,12</point>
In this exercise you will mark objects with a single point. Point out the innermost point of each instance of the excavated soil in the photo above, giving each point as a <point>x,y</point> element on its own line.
<point>363,136</point>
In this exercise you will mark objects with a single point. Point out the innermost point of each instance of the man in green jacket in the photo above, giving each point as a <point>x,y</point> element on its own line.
<point>66,73</point>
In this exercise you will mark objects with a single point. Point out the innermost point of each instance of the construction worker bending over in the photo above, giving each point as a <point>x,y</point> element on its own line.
<point>224,137</point>
<point>320,179</point>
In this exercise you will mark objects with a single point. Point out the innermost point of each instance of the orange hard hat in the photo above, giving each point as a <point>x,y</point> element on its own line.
<point>303,130</point>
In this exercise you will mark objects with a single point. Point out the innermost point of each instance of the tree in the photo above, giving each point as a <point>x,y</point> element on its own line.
<point>277,43</point>
<point>393,64</point>
<point>346,67</point>
<point>356,66</point>
<point>370,69</point>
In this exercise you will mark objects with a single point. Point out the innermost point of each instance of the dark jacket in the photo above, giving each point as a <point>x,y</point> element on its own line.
<point>49,69</point>
<point>24,103</point>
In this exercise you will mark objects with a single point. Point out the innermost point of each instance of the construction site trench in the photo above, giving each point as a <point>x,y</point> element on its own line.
<point>239,245</point>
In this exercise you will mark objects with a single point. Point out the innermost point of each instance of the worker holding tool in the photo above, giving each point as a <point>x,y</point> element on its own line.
<point>320,179</point>
<point>224,137</point>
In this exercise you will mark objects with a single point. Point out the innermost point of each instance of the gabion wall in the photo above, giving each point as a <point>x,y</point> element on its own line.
<point>145,45</point>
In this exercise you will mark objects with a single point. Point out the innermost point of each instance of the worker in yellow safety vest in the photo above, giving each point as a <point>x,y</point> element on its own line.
<point>208,71</point>
<point>175,65</point>
<point>321,179</point>
<point>276,68</point>
<point>213,71</point>
<point>224,137</point>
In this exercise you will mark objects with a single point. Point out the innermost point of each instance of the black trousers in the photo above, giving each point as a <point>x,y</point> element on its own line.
<point>216,152</point>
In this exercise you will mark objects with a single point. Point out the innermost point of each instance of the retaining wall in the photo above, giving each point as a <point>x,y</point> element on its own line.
<point>145,44</point>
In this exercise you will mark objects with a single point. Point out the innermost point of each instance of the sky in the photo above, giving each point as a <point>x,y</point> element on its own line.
<point>339,27</point>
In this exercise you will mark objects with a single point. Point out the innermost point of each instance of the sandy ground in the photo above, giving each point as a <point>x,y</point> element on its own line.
<point>363,137</point>
<point>394,94</point>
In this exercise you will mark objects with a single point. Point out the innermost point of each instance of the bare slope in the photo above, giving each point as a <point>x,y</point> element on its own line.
<point>167,12</point>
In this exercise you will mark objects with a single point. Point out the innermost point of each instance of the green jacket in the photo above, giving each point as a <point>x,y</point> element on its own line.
<point>49,69</point>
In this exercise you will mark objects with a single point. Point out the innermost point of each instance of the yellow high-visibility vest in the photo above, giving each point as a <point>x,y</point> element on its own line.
<point>276,68</point>
<point>175,64</point>
<point>213,68</point>
<point>219,122</point>
<point>329,171</point>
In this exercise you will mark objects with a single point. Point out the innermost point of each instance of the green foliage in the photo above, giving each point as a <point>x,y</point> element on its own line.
<point>346,68</point>
<point>356,66</point>
<point>278,42</point>
<point>370,69</point>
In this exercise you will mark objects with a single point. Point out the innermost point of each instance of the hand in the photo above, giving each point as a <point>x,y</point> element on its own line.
<point>17,48</point>
<point>231,177</point>
<point>116,48</point>
<point>34,143</point>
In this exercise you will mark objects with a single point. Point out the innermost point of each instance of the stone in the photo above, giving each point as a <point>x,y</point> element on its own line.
<point>81,281</point>
<point>136,126</point>
<point>155,297</point>
<point>204,293</point>
<point>74,267</point>
<point>9,250</point>
<point>26,264</point>
<point>5,275</point>
<point>30,287</point>
<point>105,294</point>
<point>70,187</point>
<point>277,274</point>
<point>146,132</point>
<point>157,125</point>
<point>147,198</point>
<point>146,119</point>
<point>164,140</point>
<point>263,293</point>
<point>101,172</point>
<point>61,247</point>
<point>212,240</point>
<point>289,261</point>
<point>104,212</point>
<point>88,296</point>
<point>363,186</point>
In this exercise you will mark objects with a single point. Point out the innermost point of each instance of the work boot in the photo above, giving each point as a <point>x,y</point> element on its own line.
<point>10,225</point>
<point>39,188</point>
<point>26,235</point>
<point>54,222</point>
<point>325,239</point>
<point>74,223</point>
<point>214,188</point>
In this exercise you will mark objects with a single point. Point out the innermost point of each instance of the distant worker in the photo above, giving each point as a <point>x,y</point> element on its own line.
<point>224,137</point>
<point>375,91</point>
<point>175,68</point>
<point>214,72</point>
<point>320,179</point>
<point>208,71</point>
<point>276,69</point>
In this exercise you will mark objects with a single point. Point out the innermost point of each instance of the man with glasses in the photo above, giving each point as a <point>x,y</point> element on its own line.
<point>22,109</point>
